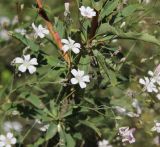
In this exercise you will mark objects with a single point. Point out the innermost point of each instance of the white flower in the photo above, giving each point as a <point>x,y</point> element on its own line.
<point>26,63</point>
<point>156,127</point>
<point>44,128</point>
<point>70,45</point>
<point>9,126</point>
<point>8,140</point>
<point>127,134</point>
<point>79,78</point>
<point>4,35</point>
<point>148,85</point>
<point>104,143</point>
<point>87,12</point>
<point>4,21</point>
<point>40,31</point>
<point>21,31</point>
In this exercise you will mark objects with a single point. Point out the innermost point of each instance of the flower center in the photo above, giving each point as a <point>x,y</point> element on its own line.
<point>79,78</point>
<point>26,64</point>
<point>8,141</point>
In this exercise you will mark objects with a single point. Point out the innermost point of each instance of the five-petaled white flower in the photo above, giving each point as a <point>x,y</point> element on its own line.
<point>127,134</point>
<point>156,127</point>
<point>26,63</point>
<point>104,143</point>
<point>148,85</point>
<point>70,45</point>
<point>40,31</point>
<point>87,12</point>
<point>79,78</point>
<point>8,140</point>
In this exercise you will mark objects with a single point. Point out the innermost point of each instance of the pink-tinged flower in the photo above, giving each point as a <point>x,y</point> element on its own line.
<point>79,78</point>
<point>87,12</point>
<point>127,134</point>
<point>149,85</point>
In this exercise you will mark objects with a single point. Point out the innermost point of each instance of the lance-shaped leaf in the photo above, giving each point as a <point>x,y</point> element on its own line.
<point>105,28</point>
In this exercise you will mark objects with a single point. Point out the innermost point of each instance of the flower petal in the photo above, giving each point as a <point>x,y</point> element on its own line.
<point>74,81</point>
<point>33,61</point>
<point>27,57</point>
<point>65,41</point>
<point>141,81</point>
<point>34,27</point>
<point>2,144</point>
<point>9,135</point>
<point>18,60</point>
<point>77,45</point>
<point>22,68</point>
<point>82,85</point>
<point>31,69</point>
<point>13,141</point>
<point>75,50</point>
<point>80,73</point>
<point>74,72</point>
<point>86,78</point>
<point>2,138</point>
<point>65,48</point>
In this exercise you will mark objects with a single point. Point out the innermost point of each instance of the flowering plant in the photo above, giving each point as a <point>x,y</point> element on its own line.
<point>73,79</point>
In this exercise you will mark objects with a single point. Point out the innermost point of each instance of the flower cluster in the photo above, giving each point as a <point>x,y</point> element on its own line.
<point>152,83</point>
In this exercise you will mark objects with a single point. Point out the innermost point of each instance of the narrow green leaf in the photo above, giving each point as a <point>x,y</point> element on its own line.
<point>106,28</point>
<point>108,8</point>
<point>33,99</point>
